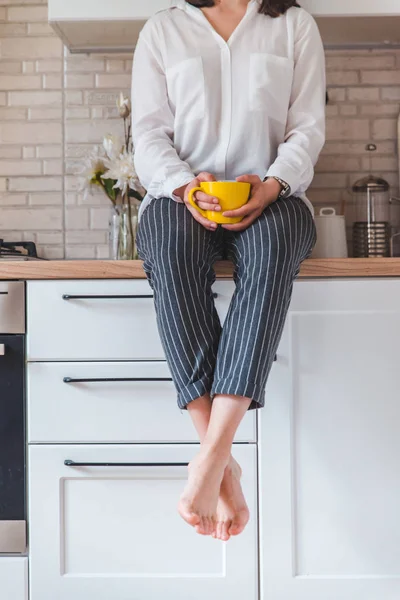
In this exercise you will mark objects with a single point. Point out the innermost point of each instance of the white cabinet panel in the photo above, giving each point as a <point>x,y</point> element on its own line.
<point>13,578</point>
<point>101,25</point>
<point>117,10</point>
<point>329,447</point>
<point>96,405</point>
<point>356,8</point>
<point>114,532</point>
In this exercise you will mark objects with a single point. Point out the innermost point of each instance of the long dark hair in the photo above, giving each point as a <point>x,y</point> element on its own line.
<point>272,8</point>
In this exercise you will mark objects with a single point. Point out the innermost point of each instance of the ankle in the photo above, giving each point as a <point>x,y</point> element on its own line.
<point>217,451</point>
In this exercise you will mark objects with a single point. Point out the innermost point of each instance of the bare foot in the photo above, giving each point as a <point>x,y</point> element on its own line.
<point>232,511</point>
<point>198,503</point>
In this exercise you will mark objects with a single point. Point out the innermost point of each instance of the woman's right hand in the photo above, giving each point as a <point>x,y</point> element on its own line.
<point>203,200</point>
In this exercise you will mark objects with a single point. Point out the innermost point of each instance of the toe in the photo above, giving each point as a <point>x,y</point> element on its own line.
<point>218,530</point>
<point>201,527</point>
<point>225,531</point>
<point>187,515</point>
<point>239,523</point>
<point>204,525</point>
<point>209,526</point>
<point>213,526</point>
<point>236,528</point>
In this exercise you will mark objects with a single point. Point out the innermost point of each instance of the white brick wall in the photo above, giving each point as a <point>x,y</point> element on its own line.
<point>55,106</point>
<point>364,90</point>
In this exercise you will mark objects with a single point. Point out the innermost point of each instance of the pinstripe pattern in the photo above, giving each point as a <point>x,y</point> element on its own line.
<point>178,256</point>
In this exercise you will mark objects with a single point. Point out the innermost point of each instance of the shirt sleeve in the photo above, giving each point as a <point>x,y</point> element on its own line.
<point>305,128</point>
<point>158,166</point>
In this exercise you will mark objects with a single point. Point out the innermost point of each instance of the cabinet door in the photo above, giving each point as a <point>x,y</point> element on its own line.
<point>13,578</point>
<point>330,447</point>
<point>107,532</point>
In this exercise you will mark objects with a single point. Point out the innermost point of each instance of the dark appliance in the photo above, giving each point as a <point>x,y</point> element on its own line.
<point>12,418</point>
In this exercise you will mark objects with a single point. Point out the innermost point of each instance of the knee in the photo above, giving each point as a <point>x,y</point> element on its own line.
<point>287,236</point>
<point>174,258</point>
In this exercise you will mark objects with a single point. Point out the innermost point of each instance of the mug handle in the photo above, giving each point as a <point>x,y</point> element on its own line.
<point>193,203</point>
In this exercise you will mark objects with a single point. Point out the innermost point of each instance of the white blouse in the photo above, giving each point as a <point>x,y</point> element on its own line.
<point>254,104</point>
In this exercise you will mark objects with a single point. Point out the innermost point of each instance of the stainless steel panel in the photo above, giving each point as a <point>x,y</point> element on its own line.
<point>13,537</point>
<point>12,307</point>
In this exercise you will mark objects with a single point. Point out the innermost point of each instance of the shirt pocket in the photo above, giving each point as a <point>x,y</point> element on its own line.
<point>270,86</point>
<point>186,89</point>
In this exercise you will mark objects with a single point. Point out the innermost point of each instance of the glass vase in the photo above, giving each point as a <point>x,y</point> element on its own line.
<point>122,230</point>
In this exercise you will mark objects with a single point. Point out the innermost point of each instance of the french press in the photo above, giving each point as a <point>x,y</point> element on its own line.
<point>371,229</point>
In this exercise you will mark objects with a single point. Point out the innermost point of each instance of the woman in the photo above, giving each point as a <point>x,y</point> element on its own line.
<point>225,89</point>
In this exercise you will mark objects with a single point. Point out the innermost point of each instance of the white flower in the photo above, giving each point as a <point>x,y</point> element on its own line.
<point>93,167</point>
<point>124,106</point>
<point>113,146</point>
<point>122,170</point>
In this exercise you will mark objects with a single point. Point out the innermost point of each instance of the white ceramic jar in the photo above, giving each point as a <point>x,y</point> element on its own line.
<point>331,235</point>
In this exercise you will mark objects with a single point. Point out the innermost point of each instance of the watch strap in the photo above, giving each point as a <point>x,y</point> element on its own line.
<point>286,190</point>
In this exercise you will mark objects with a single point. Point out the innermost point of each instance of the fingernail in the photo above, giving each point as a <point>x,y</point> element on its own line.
<point>215,200</point>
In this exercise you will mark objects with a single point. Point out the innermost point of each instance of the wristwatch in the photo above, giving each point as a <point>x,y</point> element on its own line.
<point>286,190</point>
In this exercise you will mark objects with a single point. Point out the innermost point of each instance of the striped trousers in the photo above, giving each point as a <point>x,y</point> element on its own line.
<point>178,255</point>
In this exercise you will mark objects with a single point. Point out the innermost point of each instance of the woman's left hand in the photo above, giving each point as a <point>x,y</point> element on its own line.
<point>262,195</point>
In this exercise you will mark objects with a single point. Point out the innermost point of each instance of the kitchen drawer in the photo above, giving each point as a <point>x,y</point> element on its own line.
<point>109,528</point>
<point>12,307</point>
<point>91,320</point>
<point>97,320</point>
<point>96,410</point>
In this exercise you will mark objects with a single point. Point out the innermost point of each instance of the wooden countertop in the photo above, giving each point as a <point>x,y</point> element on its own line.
<point>101,269</point>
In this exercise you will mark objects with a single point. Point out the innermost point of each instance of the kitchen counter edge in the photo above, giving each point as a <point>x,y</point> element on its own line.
<point>103,269</point>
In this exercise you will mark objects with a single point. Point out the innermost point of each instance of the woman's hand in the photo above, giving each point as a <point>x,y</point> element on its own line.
<point>203,200</point>
<point>262,195</point>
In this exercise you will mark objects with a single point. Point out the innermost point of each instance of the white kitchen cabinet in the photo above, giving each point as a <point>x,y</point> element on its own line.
<point>358,23</point>
<point>101,25</point>
<point>113,531</point>
<point>98,320</point>
<point>13,578</point>
<point>357,8</point>
<point>109,402</point>
<point>330,446</point>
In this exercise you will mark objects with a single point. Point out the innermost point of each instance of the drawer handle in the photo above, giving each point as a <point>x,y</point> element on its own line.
<point>136,297</point>
<point>115,379</point>
<point>3,293</point>
<point>72,463</point>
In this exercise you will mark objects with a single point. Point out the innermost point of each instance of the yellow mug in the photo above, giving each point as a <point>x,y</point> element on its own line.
<point>231,195</point>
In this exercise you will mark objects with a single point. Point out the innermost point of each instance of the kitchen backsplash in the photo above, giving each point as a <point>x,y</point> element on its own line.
<point>55,106</point>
